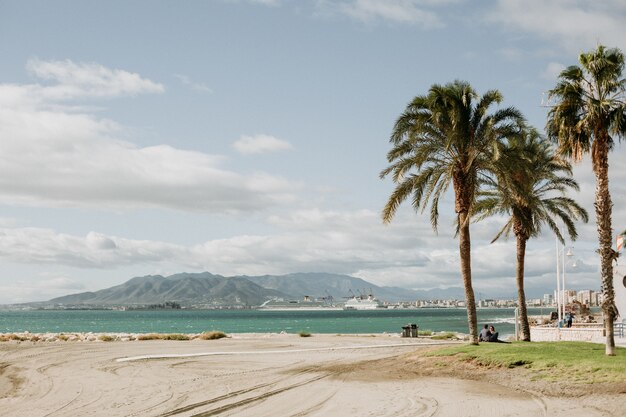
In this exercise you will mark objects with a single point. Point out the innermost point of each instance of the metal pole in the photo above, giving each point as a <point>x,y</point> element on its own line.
<point>564,301</point>
<point>558,285</point>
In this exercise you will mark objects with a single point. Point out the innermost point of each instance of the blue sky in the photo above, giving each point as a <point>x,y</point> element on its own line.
<point>246,136</point>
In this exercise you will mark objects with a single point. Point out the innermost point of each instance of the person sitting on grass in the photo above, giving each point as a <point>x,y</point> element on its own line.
<point>485,334</point>
<point>494,336</point>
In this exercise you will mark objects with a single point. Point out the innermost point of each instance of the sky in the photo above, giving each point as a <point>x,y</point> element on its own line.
<point>246,137</point>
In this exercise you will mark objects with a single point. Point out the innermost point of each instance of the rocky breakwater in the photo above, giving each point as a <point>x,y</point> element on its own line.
<point>104,337</point>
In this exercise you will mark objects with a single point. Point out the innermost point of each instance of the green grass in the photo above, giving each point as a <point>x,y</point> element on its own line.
<point>577,362</point>
<point>424,332</point>
<point>444,336</point>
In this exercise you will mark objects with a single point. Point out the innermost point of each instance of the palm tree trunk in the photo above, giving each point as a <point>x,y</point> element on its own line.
<point>604,208</point>
<point>465,249</point>
<point>521,295</point>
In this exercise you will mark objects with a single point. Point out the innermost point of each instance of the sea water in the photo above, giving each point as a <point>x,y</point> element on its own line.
<point>254,321</point>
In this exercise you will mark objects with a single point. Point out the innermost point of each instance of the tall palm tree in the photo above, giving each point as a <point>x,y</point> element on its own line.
<point>589,112</point>
<point>529,188</point>
<point>448,137</point>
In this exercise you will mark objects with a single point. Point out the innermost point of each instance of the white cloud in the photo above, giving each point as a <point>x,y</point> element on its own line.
<point>309,241</point>
<point>52,155</point>
<point>579,25</point>
<point>260,144</point>
<point>266,2</point>
<point>552,71</point>
<point>46,246</point>
<point>271,3</point>
<point>512,54</point>
<point>185,80</point>
<point>405,253</point>
<point>75,80</point>
<point>400,11</point>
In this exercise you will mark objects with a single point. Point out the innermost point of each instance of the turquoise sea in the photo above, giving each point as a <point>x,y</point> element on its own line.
<point>252,321</point>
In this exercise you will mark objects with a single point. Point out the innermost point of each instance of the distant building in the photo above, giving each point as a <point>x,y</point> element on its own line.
<point>584,297</point>
<point>548,299</point>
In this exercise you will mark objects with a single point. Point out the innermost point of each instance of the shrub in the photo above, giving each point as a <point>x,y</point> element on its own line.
<point>175,336</point>
<point>149,336</point>
<point>212,335</point>
<point>63,337</point>
<point>304,334</point>
<point>106,338</point>
<point>445,335</point>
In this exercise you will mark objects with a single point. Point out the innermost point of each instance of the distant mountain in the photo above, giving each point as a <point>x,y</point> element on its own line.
<point>321,284</point>
<point>206,289</point>
<point>186,289</point>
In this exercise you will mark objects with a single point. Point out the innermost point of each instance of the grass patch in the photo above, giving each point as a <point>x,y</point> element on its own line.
<point>304,334</point>
<point>149,336</point>
<point>424,332</point>
<point>106,338</point>
<point>576,362</point>
<point>175,336</point>
<point>63,337</point>
<point>12,336</point>
<point>213,335</point>
<point>158,336</point>
<point>444,336</point>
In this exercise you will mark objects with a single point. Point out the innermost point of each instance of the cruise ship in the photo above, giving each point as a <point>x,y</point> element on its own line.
<point>363,303</point>
<point>305,304</point>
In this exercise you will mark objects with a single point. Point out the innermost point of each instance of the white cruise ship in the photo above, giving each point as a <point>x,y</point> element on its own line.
<point>305,304</point>
<point>363,303</point>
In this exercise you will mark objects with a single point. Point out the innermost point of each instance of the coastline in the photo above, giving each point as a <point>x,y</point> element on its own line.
<point>268,374</point>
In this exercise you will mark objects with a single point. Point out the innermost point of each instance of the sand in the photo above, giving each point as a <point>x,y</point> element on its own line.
<point>262,375</point>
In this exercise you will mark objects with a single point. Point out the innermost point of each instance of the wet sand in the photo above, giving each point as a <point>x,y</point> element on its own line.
<point>257,375</point>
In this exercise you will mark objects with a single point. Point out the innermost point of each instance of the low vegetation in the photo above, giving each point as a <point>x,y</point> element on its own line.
<point>12,336</point>
<point>304,334</point>
<point>573,362</point>
<point>212,335</point>
<point>149,336</point>
<point>444,336</point>
<point>106,338</point>
<point>174,336</point>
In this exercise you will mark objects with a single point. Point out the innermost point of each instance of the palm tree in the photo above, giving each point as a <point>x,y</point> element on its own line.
<point>448,137</point>
<point>530,189</point>
<point>589,112</point>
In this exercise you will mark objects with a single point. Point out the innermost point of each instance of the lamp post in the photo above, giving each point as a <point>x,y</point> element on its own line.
<point>557,299</point>
<point>569,254</point>
<point>561,301</point>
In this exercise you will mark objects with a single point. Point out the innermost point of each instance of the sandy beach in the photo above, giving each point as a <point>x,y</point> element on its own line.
<point>265,375</point>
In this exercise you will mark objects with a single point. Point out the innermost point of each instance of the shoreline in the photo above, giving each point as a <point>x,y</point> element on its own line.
<point>107,337</point>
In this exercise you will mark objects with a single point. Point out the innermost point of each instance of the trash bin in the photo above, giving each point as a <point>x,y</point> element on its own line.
<point>414,328</point>
<point>406,331</point>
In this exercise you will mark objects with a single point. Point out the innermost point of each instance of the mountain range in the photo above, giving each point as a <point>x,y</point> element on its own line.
<point>206,289</point>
